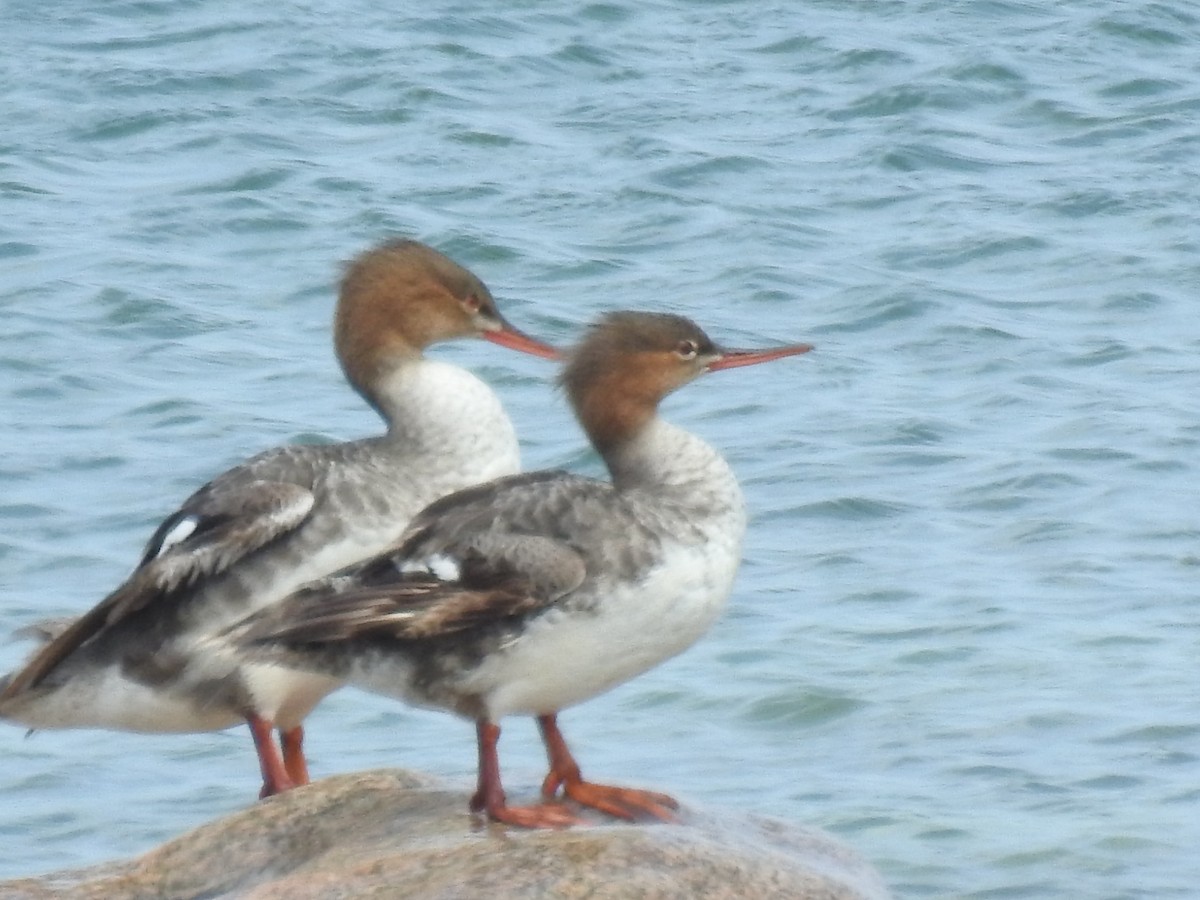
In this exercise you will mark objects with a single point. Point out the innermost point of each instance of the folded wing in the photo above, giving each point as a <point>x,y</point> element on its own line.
<point>219,525</point>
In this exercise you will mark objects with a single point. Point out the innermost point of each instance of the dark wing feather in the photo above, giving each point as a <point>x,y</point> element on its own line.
<point>407,610</point>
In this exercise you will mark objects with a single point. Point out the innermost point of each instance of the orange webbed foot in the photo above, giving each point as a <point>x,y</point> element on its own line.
<point>490,799</point>
<point>630,804</point>
<point>539,815</point>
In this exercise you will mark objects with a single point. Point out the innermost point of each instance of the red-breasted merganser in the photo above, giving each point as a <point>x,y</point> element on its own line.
<point>534,592</point>
<point>137,661</point>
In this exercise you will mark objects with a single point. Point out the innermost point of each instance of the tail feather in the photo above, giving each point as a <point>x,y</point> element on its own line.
<point>57,637</point>
<point>44,630</point>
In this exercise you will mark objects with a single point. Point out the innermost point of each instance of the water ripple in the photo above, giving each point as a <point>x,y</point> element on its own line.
<point>961,633</point>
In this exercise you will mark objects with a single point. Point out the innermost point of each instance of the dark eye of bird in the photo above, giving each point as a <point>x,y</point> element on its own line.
<point>687,349</point>
<point>473,303</point>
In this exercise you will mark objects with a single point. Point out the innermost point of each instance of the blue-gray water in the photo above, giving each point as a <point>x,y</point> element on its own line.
<point>965,634</point>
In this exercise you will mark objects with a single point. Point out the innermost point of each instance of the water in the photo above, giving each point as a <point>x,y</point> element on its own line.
<point>964,637</point>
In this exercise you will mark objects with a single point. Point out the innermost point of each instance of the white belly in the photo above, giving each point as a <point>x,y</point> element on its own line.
<point>567,657</point>
<point>286,696</point>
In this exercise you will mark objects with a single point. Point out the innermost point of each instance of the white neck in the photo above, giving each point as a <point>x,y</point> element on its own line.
<point>435,408</point>
<point>667,460</point>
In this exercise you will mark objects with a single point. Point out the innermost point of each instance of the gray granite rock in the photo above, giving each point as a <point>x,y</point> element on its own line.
<point>395,834</point>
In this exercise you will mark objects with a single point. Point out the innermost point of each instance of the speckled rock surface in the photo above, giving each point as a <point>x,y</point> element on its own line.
<point>395,834</point>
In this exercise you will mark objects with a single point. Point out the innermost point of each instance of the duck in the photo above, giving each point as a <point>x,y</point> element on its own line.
<point>534,592</point>
<point>137,660</point>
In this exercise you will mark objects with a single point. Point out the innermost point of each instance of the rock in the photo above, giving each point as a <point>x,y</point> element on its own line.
<point>395,834</point>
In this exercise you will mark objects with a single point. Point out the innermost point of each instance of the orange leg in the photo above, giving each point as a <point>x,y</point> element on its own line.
<point>292,741</point>
<point>490,797</point>
<point>274,775</point>
<point>623,803</point>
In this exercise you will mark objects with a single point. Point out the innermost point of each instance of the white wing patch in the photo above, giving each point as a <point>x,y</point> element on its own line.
<point>440,565</point>
<point>444,567</point>
<point>182,530</point>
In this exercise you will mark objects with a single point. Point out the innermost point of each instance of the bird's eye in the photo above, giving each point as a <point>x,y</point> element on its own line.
<point>687,350</point>
<point>472,303</point>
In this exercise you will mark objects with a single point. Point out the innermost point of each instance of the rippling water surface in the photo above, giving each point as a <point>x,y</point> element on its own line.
<point>965,634</point>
